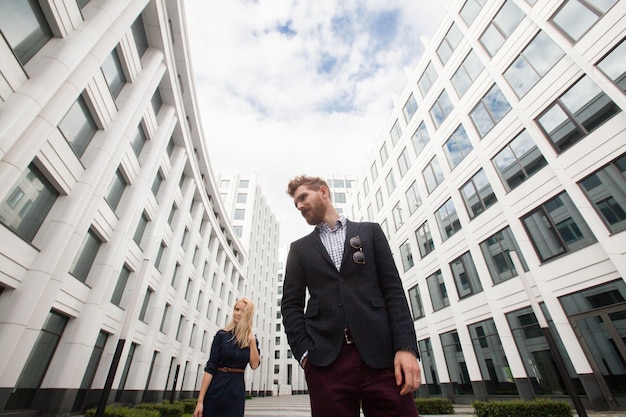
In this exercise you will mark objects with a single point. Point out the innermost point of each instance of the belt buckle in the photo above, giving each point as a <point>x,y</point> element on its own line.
<point>226,369</point>
<point>348,337</point>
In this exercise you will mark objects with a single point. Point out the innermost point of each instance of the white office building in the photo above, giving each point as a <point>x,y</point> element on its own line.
<point>118,261</point>
<point>510,137</point>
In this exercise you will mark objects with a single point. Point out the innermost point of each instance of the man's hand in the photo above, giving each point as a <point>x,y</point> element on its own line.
<point>407,371</point>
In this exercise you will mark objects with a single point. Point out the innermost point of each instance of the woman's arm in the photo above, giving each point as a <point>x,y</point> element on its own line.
<point>255,359</point>
<point>206,381</point>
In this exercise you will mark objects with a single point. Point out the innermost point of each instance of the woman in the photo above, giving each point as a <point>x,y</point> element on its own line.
<point>223,390</point>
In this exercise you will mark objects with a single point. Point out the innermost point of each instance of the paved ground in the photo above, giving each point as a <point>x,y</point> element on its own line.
<point>298,406</point>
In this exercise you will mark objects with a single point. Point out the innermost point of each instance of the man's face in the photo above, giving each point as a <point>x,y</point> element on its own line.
<point>311,204</point>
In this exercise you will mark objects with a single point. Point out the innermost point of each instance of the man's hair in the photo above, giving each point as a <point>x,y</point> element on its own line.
<point>314,183</point>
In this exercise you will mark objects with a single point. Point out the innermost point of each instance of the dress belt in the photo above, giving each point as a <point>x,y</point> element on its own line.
<point>226,369</point>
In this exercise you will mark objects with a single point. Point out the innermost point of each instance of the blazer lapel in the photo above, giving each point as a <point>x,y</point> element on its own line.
<point>316,242</point>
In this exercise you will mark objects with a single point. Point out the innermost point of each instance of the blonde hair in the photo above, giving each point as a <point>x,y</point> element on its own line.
<point>241,330</point>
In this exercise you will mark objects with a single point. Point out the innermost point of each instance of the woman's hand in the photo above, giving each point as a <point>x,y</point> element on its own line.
<point>198,411</point>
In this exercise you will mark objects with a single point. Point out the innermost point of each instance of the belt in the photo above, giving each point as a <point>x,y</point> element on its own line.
<point>226,369</point>
<point>347,336</point>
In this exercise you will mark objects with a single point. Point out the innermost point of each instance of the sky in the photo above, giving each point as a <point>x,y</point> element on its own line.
<point>288,87</point>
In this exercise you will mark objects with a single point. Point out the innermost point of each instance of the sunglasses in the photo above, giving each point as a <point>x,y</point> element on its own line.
<point>358,257</point>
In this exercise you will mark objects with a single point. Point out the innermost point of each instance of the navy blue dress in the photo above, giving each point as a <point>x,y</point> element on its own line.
<point>226,395</point>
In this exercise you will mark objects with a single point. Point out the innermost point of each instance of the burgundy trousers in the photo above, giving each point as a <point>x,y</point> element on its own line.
<point>339,390</point>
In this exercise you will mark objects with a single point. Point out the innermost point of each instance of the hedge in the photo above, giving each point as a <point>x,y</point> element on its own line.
<point>434,406</point>
<point>519,408</point>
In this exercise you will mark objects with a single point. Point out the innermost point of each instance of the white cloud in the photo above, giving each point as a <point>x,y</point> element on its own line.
<point>290,87</point>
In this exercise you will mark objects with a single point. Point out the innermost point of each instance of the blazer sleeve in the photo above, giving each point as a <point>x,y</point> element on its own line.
<point>293,303</point>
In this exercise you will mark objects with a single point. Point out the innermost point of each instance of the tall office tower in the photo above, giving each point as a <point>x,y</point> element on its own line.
<point>258,229</point>
<point>500,182</point>
<point>342,187</point>
<point>117,256</point>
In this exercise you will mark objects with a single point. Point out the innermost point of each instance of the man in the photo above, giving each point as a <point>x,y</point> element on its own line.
<point>355,340</point>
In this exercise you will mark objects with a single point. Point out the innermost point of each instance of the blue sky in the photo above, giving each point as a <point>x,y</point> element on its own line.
<point>303,87</point>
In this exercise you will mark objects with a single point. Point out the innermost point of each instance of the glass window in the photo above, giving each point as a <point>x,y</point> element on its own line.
<point>613,66</point>
<point>116,189</point>
<point>240,214</point>
<point>141,228</point>
<point>83,3</point>
<point>427,79</point>
<point>518,160</point>
<point>126,371</point>
<point>417,308</point>
<point>539,56</point>
<point>489,111</point>
<point>165,318</point>
<point>449,44</point>
<point>470,10</point>
<point>370,212</point>
<point>404,162</point>
<point>575,17</point>
<point>413,198</point>
<point>78,126</point>
<point>122,280</point>
<point>395,133</point>
<point>437,291</point>
<point>28,203</point>
<point>478,194</point>
<point>496,250</point>
<point>424,240</point>
<point>379,199</point>
<point>467,73</point>
<point>578,112</point>
<point>447,220</point>
<point>138,140</point>
<point>159,255</point>
<point>501,27</point>
<point>339,198</point>
<point>430,374</point>
<point>384,155</point>
<point>390,181</point>
<point>409,109</point>
<point>156,184</point>
<point>113,73</point>
<point>139,34</point>
<point>556,227</point>
<point>242,198</point>
<point>494,367</point>
<point>385,226</point>
<point>246,183</point>
<point>397,216</point>
<point>156,101</point>
<point>606,189</point>
<point>457,147</point>
<point>34,370</point>
<point>466,277</point>
<point>373,171</point>
<point>86,255</point>
<point>420,138</point>
<point>406,255</point>
<point>441,109</point>
<point>25,27</point>
<point>433,175</point>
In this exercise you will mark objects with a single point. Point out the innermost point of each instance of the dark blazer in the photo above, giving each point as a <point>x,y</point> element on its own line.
<point>368,298</point>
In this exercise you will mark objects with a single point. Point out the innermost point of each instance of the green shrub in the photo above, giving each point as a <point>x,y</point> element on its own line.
<point>519,408</point>
<point>189,404</point>
<point>117,411</point>
<point>434,406</point>
<point>165,409</point>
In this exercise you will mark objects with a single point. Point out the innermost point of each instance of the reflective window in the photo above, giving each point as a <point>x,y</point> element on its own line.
<point>429,364</point>
<point>406,255</point>
<point>116,189</point>
<point>25,27</point>
<point>384,155</point>
<point>539,56</point>
<point>478,194</point>
<point>156,184</point>
<point>28,203</point>
<point>390,181</point>
<point>441,109</point>
<point>395,133</point>
<point>86,255</point>
<point>165,318</point>
<point>613,66</point>
<point>437,291</point>
<point>159,255</point>
<point>496,250</point>
<point>489,110</point>
<point>242,198</point>
<point>575,17</point>
<point>447,220</point>
<point>413,198</point>
<point>449,44</point>
<point>606,189</point>
<point>470,10</point>
<point>427,79</point>
<point>466,277</point>
<point>139,34</point>
<point>433,175</point>
<point>156,101</point>
<point>239,214</point>
<point>501,27</point>
<point>455,364</point>
<point>82,3</point>
<point>409,109</point>
<point>398,220</point>
<point>138,140</point>
<point>556,228</point>
<point>379,199</point>
<point>78,126</point>
<point>415,299</point>
<point>420,138</point>
<point>424,240</point>
<point>404,162</point>
<point>141,228</point>
<point>113,73</point>
<point>467,73</point>
<point>576,113</point>
<point>374,171</point>
<point>120,286</point>
<point>370,212</point>
<point>457,147</point>
<point>518,160</point>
